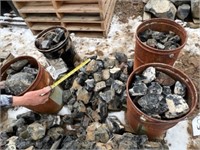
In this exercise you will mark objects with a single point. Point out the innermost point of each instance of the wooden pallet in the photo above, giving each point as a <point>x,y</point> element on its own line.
<point>83,17</point>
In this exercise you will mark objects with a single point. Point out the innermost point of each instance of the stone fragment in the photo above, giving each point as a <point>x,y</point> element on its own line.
<point>155,145</point>
<point>36,130</point>
<point>107,96</point>
<point>183,11</point>
<point>180,89</point>
<point>109,62</point>
<point>123,77</point>
<point>11,143</point>
<point>23,144</point>
<point>146,16</point>
<point>79,106</point>
<point>131,141</point>
<point>89,84</point>
<point>18,83</point>
<point>151,42</point>
<point>138,89</point>
<point>114,125</point>
<point>82,77</point>
<point>144,36</point>
<point>75,86</point>
<point>115,72</point>
<point>68,119</point>
<point>59,36</point>
<point>180,2</point>
<point>195,8</point>
<point>121,57</point>
<point>109,82</point>
<point>99,86</point>
<point>161,9</point>
<point>97,76</point>
<point>105,74</point>
<point>149,74</point>
<point>155,88</point>
<point>177,106</point>
<point>118,86</point>
<point>115,104</point>
<point>94,115</point>
<point>67,95</point>
<point>92,67</point>
<point>30,70</point>
<point>44,143</point>
<point>164,79</point>
<point>160,46</point>
<point>55,133</point>
<point>166,90</point>
<point>102,111</point>
<point>29,117</point>
<point>18,65</point>
<point>50,121</point>
<point>150,103</point>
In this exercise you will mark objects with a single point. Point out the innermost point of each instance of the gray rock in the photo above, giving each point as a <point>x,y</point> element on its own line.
<point>18,83</point>
<point>30,70</point>
<point>161,8</point>
<point>177,106</point>
<point>105,74</point>
<point>107,96</point>
<point>102,110</point>
<point>155,88</point>
<point>55,133</point>
<point>166,90</point>
<point>115,72</point>
<point>183,11</point>
<point>92,67</point>
<point>195,7</point>
<point>114,125</point>
<point>11,143</point>
<point>17,66</point>
<point>99,86</point>
<point>164,79</point>
<point>138,89</point>
<point>150,74</point>
<point>180,2</point>
<point>89,84</point>
<point>123,77</point>
<point>118,86</point>
<point>97,76</point>
<point>160,46</point>
<point>109,62</point>
<point>67,95</point>
<point>180,89</point>
<point>36,130</point>
<point>121,57</point>
<point>150,103</point>
<point>151,42</point>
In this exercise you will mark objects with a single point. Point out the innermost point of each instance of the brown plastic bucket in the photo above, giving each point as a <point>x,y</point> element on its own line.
<point>152,127</point>
<point>146,54</point>
<point>63,50</point>
<point>42,79</point>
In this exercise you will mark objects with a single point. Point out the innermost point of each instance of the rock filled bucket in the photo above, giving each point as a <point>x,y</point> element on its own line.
<point>154,107</point>
<point>158,40</point>
<point>55,43</point>
<point>41,79</point>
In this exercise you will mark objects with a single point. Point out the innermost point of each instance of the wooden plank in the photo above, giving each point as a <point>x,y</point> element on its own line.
<point>42,18</point>
<point>37,9</point>
<point>81,19</point>
<point>79,8</point>
<point>43,26</point>
<point>83,27</point>
<point>88,34</point>
<point>79,1</point>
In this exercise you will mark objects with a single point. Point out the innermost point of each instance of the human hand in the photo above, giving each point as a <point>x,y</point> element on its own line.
<point>32,98</point>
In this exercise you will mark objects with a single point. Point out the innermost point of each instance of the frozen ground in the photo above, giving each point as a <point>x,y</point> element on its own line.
<point>20,41</point>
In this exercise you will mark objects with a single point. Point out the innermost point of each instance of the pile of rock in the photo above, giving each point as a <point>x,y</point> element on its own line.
<point>20,75</point>
<point>160,40</point>
<point>90,95</point>
<point>172,9</point>
<point>158,95</point>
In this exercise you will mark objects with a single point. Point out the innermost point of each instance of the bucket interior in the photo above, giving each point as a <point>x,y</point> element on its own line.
<point>191,92</point>
<point>163,25</point>
<point>31,61</point>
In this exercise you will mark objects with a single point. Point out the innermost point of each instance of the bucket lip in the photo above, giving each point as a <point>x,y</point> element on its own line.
<point>59,45</point>
<point>21,58</point>
<point>164,20</point>
<point>161,65</point>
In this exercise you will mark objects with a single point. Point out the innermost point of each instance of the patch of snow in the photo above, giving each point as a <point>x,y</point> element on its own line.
<point>13,112</point>
<point>177,137</point>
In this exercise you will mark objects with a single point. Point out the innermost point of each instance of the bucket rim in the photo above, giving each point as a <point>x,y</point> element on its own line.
<point>163,21</point>
<point>59,45</point>
<point>161,65</point>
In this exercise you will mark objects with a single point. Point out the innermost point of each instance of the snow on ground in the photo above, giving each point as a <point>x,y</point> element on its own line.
<point>20,41</point>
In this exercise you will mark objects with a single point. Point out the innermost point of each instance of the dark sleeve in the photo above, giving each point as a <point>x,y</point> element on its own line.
<point>5,100</point>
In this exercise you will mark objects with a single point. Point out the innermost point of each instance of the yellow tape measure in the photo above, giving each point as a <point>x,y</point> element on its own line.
<point>69,74</point>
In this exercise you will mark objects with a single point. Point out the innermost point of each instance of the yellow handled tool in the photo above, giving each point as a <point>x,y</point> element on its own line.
<point>69,74</point>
